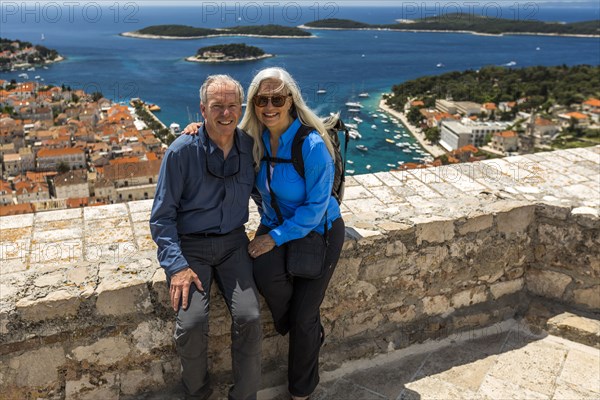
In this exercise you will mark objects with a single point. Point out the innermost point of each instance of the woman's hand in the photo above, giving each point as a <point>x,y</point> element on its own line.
<point>192,129</point>
<point>260,245</point>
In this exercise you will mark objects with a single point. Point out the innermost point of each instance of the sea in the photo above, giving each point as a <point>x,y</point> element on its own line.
<point>343,63</point>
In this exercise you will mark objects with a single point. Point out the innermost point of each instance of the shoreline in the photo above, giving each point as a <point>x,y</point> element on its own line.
<point>434,150</point>
<point>194,59</point>
<point>452,31</point>
<point>160,37</point>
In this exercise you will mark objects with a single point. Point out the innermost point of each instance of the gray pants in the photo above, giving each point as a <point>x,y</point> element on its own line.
<point>224,258</point>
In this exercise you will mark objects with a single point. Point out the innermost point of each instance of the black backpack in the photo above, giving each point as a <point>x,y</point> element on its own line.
<point>339,180</point>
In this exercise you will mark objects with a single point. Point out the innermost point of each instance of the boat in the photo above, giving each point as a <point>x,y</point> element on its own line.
<point>385,121</point>
<point>390,141</point>
<point>407,150</point>
<point>153,107</point>
<point>354,104</point>
<point>321,91</point>
<point>510,64</point>
<point>354,110</point>
<point>439,65</point>
<point>24,76</point>
<point>37,77</point>
<point>175,128</point>
<point>364,94</point>
<point>374,126</point>
<point>353,126</point>
<point>354,134</point>
<point>361,147</point>
<point>357,119</point>
<point>350,171</point>
<point>368,166</point>
<point>350,162</point>
<point>397,136</point>
<point>538,48</point>
<point>374,115</point>
<point>31,69</point>
<point>45,67</point>
<point>391,165</point>
<point>386,130</point>
<point>43,37</point>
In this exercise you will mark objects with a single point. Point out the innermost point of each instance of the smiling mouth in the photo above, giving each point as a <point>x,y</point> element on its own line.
<point>225,122</point>
<point>270,115</point>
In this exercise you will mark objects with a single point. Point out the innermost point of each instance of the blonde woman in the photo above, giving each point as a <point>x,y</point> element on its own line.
<point>275,113</point>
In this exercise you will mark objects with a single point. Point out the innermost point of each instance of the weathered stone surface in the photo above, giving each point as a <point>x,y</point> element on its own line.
<point>60,303</point>
<point>120,298</point>
<point>106,351</point>
<point>581,369</point>
<point>152,334</point>
<point>589,297</point>
<point>576,328</point>
<point>500,289</point>
<point>516,220</point>
<point>91,387</point>
<point>436,305</point>
<point>137,381</point>
<point>469,297</point>
<point>396,248</point>
<point>37,367</point>
<point>547,283</point>
<point>476,224</point>
<point>381,269</point>
<point>434,232</point>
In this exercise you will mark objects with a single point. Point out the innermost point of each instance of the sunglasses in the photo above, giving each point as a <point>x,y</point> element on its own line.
<point>276,101</point>
<point>220,169</point>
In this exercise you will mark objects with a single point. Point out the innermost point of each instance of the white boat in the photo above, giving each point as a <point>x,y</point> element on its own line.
<point>361,147</point>
<point>386,130</point>
<point>175,128</point>
<point>374,115</point>
<point>321,91</point>
<point>350,171</point>
<point>352,126</point>
<point>37,77</point>
<point>31,69</point>
<point>354,134</point>
<point>43,37</point>
<point>357,119</point>
<point>368,166</point>
<point>364,94</point>
<point>350,162</point>
<point>374,126</point>
<point>400,162</point>
<point>354,110</point>
<point>407,150</point>
<point>354,104</point>
<point>397,136</point>
<point>391,165</point>
<point>385,121</point>
<point>439,65</point>
<point>24,76</point>
<point>45,67</point>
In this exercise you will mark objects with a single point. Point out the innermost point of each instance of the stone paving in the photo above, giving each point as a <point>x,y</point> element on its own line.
<point>503,361</point>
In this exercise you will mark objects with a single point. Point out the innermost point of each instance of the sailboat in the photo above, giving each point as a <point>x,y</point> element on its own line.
<point>43,37</point>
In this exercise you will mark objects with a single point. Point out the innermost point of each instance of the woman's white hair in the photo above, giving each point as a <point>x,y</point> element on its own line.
<point>252,125</point>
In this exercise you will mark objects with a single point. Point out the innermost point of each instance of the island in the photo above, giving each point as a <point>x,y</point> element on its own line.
<point>467,23</point>
<point>16,54</point>
<point>190,32</point>
<point>234,52</point>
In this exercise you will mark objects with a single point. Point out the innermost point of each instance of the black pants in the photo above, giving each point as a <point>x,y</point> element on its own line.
<point>294,304</point>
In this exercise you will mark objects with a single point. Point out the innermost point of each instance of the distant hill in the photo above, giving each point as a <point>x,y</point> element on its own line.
<point>229,52</point>
<point>16,53</point>
<point>471,23</point>
<point>183,31</point>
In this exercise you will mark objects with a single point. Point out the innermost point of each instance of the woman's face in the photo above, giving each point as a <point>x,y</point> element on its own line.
<point>272,105</point>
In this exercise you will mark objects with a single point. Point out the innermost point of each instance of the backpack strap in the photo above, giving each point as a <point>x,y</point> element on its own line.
<point>297,156</point>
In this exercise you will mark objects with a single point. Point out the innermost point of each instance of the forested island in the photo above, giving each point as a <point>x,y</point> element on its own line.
<point>234,52</point>
<point>190,32</point>
<point>541,86</point>
<point>472,24</point>
<point>20,54</point>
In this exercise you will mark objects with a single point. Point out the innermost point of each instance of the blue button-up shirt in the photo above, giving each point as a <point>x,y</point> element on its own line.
<point>303,202</point>
<point>190,199</point>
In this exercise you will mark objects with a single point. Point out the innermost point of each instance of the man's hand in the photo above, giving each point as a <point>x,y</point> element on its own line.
<point>180,287</point>
<point>192,129</point>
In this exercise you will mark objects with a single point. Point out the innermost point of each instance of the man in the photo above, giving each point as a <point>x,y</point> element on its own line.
<point>197,221</point>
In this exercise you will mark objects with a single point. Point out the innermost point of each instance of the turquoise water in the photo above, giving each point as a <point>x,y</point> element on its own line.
<point>345,63</point>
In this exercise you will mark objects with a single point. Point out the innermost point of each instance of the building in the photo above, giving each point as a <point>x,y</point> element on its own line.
<point>468,108</point>
<point>505,141</point>
<point>6,193</point>
<point>12,164</point>
<point>49,159</point>
<point>72,184</point>
<point>27,191</point>
<point>580,120</point>
<point>454,135</point>
<point>445,106</point>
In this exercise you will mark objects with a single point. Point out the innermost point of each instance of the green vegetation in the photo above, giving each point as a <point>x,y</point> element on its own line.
<point>471,23</point>
<point>162,133</point>
<point>541,86</point>
<point>184,31</point>
<point>40,56</point>
<point>234,50</point>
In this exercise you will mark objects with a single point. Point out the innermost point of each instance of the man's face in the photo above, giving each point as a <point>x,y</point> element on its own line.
<point>223,109</point>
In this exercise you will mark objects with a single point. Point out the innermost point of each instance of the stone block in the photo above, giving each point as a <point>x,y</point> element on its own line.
<point>437,305</point>
<point>347,268</point>
<point>106,351</point>
<point>589,297</point>
<point>381,269</point>
<point>91,387</point>
<point>58,304</point>
<point>469,297</point>
<point>395,248</point>
<point>37,367</point>
<point>582,370</point>
<point>159,286</point>
<point>500,289</point>
<point>153,334</point>
<point>547,283</point>
<point>137,381</point>
<point>52,279</point>
<point>573,327</point>
<point>476,224</point>
<point>402,315</point>
<point>516,220</point>
<point>123,297</point>
<point>434,232</point>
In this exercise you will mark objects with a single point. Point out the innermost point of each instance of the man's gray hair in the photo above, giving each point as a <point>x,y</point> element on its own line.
<point>221,78</point>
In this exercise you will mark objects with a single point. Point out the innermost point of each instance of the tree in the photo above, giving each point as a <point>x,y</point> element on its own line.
<point>414,116</point>
<point>432,134</point>
<point>97,96</point>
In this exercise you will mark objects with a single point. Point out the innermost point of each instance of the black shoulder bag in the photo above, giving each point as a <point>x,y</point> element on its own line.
<point>305,257</point>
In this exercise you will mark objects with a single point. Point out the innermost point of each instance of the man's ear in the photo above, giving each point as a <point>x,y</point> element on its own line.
<point>203,110</point>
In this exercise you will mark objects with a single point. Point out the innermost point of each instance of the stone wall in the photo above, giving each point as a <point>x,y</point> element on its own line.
<point>429,253</point>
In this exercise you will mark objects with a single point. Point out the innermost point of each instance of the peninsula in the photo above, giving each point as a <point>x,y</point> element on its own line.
<point>235,52</point>
<point>466,23</point>
<point>190,32</point>
<point>18,54</point>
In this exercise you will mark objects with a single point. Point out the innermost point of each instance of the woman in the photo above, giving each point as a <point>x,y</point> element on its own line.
<point>274,114</point>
